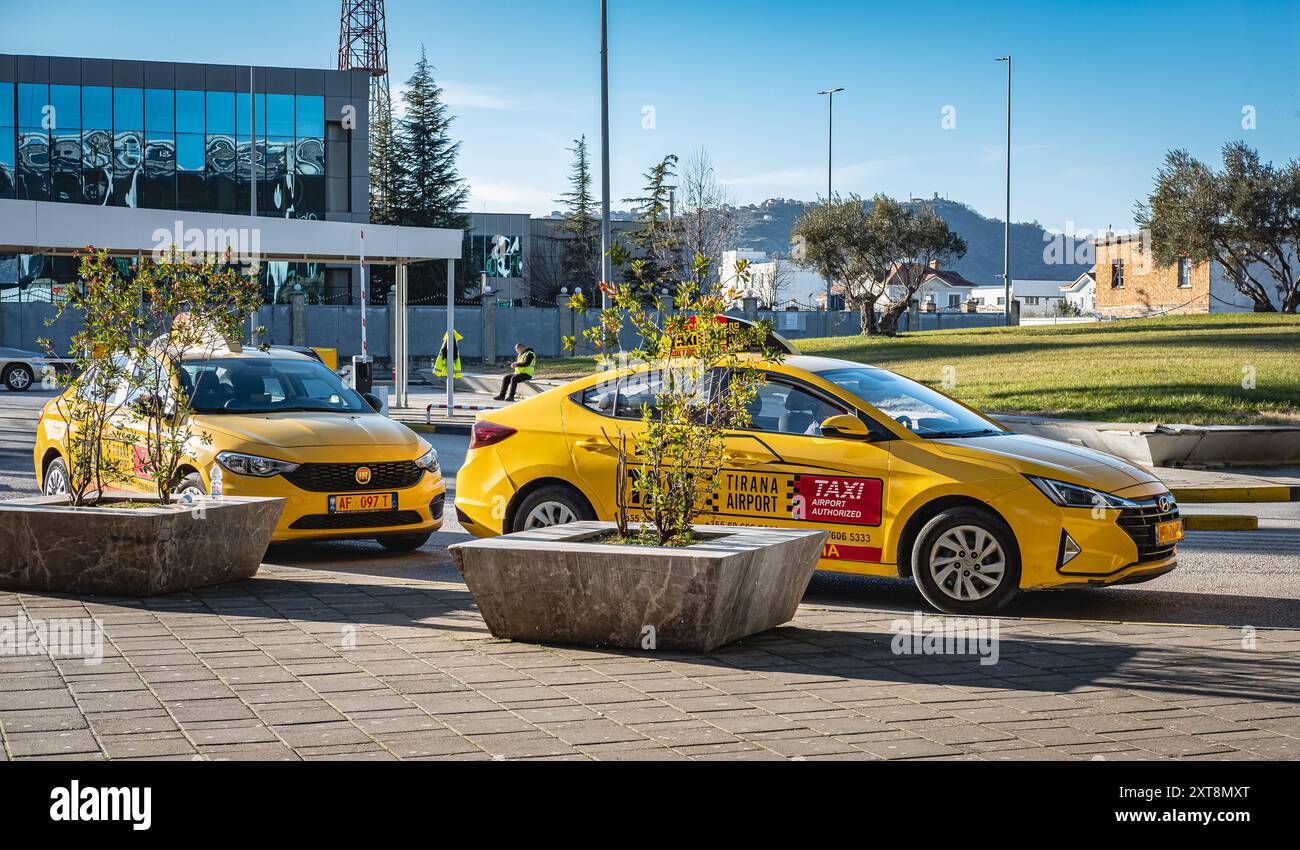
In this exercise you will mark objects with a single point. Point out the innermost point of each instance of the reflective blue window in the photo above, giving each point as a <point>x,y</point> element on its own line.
<point>7,105</point>
<point>8,146</point>
<point>159,111</point>
<point>66,101</point>
<point>241,115</point>
<point>32,100</point>
<point>311,117</point>
<point>96,108</point>
<point>96,165</point>
<point>128,109</point>
<point>279,115</point>
<point>189,111</point>
<point>221,113</point>
<point>189,152</point>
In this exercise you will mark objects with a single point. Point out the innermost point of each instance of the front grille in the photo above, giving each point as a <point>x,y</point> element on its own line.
<point>345,522</point>
<point>1140,524</point>
<point>342,477</point>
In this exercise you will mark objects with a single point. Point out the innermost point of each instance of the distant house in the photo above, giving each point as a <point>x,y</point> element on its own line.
<point>801,288</point>
<point>1082,293</point>
<point>1036,297</point>
<point>945,287</point>
<point>1130,283</point>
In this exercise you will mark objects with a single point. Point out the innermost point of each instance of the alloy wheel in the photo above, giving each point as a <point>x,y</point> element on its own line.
<point>549,514</point>
<point>967,563</point>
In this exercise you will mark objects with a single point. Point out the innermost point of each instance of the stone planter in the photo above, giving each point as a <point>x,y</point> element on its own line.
<point>45,545</point>
<point>556,585</point>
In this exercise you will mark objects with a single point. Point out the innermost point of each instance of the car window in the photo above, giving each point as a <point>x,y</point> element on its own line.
<point>626,396</point>
<point>246,385</point>
<point>781,408</point>
<point>923,411</point>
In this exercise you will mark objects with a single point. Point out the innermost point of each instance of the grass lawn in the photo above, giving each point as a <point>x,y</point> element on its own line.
<point>1176,369</point>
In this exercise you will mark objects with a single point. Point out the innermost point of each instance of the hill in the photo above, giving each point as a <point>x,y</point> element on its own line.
<point>767,226</point>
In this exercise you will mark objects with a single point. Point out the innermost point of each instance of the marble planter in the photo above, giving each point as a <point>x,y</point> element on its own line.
<point>556,585</point>
<point>45,545</point>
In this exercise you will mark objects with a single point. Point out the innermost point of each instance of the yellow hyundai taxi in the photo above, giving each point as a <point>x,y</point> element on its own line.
<point>907,481</point>
<point>282,424</point>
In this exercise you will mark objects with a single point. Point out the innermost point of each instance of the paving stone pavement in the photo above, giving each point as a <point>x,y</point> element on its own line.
<point>299,664</point>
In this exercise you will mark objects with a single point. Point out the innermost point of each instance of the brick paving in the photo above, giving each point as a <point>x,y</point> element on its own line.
<point>299,664</point>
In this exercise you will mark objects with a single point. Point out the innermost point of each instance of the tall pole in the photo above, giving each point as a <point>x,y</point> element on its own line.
<point>453,350</point>
<point>606,269</point>
<point>365,296</point>
<point>252,173</point>
<point>1006,251</point>
<point>830,163</point>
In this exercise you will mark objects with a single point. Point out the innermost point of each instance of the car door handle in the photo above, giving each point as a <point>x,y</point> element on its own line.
<point>741,459</point>
<point>598,446</point>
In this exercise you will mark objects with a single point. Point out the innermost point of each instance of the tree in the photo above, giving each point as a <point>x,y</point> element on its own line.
<point>835,239</point>
<point>387,172</point>
<point>432,194</point>
<point>769,280</point>
<point>654,240</point>
<point>1245,217</point>
<point>706,225</point>
<point>910,244</point>
<point>581,224</point>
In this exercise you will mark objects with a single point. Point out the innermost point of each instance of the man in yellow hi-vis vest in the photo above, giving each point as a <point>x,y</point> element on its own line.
<point>525,367</point>
<point>440,366</point>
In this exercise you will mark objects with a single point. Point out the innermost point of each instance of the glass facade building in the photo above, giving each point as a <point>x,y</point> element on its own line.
<point>179,136</point>
<point>173,149</point>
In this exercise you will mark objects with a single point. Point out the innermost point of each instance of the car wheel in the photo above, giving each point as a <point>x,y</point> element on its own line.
<point>56,478</point>
<point>965,561</point>
<point>18,378</point>
<point>551,506</point>
<point>192,485</point>
<point>404,543</point>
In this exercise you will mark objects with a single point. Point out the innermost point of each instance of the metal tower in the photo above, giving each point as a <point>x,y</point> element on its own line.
<point>363,46</point>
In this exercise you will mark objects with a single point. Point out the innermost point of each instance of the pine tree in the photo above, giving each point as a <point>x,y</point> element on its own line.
<point>432,192</point>
<point>387,173</point>
<point>582,249</point>
<point>655,239</point>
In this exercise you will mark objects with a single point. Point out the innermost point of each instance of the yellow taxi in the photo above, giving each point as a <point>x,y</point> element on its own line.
<point>282,424</point>
<point>907,481</point>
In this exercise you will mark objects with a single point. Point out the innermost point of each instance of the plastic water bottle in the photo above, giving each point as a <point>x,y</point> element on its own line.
<point>215,477</point>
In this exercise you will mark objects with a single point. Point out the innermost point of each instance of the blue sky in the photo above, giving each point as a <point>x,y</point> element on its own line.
<point>1103,89</point>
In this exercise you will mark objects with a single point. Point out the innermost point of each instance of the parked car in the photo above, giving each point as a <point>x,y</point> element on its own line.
<point>281,424</point>
<point>909,482</point>
<point>20,369</point>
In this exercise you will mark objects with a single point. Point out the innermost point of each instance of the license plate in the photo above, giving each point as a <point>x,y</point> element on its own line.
<point>363,503</point>
<point>1169,532</point>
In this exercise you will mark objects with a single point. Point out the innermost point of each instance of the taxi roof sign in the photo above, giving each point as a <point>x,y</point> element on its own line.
<point>772,341</point>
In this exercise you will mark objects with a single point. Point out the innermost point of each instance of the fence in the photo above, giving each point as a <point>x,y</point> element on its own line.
<point>540,328</point>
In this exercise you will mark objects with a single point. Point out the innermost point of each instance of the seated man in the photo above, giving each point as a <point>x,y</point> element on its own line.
<point>525,366</point>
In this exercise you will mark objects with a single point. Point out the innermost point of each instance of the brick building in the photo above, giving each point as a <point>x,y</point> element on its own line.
<point>1130,283</point>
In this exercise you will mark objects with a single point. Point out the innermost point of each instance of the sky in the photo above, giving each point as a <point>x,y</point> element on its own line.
<point>1102,90</point>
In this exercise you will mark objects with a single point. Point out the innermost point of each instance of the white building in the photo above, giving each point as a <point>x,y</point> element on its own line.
<point>1082,293</point>
<point>1036,297</point>
<point>799,286</point>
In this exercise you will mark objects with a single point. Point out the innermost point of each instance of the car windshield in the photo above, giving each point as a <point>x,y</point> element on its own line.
<point>918,408</point>
<point>248,385</point>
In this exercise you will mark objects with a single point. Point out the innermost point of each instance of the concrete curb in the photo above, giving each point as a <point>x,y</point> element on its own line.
<point>1221,522</point>
<point>1235,495</point>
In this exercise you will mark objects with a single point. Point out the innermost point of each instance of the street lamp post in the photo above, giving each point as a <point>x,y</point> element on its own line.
<point>606,271</point>
<point>1006,250</point>
<point>830,162</point>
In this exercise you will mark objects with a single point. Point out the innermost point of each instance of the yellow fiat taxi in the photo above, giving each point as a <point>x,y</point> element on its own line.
<point>281,424</point>
<point>907,481</point>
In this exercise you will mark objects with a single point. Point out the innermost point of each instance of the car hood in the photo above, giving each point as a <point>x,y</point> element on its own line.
<point>1052,459</point>
<point>298,430</point>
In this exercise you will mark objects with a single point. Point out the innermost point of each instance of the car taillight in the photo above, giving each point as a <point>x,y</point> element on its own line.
<point>488,434</point>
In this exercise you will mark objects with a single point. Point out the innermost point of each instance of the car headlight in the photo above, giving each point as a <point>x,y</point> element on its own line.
<point>1075,496</point>
<point>429,460</point>
<point>257,467</point>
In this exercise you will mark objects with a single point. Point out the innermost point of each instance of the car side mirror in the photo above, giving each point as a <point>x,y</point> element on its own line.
<point>374,401</point>
<point>846,427</point>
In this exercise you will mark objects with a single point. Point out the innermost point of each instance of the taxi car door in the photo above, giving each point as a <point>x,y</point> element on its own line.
<point>123,439</point>
<point>594,423</point>
<point>783,472</point>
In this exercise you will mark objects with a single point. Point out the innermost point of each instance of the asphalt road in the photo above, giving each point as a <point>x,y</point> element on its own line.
<point>1231,579</point>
